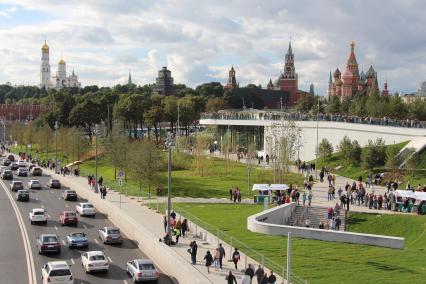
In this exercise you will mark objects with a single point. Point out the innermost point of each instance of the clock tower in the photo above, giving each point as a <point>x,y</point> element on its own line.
<point>288,79</point>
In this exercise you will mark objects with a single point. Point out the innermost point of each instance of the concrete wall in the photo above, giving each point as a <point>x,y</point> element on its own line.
<point>333,131</point>
<point>163,256</point>
<point>255,224</point>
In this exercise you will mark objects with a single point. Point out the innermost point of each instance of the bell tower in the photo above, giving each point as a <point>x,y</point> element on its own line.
<point>45,67</point>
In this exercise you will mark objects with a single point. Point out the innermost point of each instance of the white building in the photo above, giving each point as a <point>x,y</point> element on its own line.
<point>60,80</point>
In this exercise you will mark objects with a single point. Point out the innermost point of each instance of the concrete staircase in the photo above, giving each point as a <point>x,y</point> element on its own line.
<point>315,215</point>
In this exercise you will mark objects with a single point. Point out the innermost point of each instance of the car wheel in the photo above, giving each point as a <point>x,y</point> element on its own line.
<point>32,222</point>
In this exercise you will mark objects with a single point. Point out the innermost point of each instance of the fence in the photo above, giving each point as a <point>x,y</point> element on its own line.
<point>279,269</point>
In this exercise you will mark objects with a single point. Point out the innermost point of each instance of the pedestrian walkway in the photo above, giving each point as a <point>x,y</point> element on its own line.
<point>153,221</point>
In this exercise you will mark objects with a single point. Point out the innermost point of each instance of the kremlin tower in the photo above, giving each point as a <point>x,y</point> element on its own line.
<point>232,80</point>
<point>288,79</point>
<point>45,67</point>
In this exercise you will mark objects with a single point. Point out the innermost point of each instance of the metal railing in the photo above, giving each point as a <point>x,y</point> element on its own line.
<point>199,226</point>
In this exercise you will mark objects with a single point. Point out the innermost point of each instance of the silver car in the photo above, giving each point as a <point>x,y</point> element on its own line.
<point>110,235</point>
<point>142,270</point>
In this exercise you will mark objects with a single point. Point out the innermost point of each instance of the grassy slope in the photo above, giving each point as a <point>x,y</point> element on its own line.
<point>327,262</point>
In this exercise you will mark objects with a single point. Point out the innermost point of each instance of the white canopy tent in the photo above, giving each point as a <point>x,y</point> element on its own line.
<point>418,195</point>
<point>261,186</point>
<point>279,187</point>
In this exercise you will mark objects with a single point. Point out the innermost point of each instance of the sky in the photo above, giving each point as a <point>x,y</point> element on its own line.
<point>102,40</point>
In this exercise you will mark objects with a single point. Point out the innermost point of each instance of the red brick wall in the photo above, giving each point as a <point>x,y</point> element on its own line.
<point>290,85</point>
<point>21,112</point>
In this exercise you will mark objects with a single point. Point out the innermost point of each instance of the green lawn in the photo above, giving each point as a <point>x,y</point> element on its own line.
<point>327,262</point>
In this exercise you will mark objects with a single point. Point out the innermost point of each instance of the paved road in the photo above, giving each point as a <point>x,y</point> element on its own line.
<point>12,256</point>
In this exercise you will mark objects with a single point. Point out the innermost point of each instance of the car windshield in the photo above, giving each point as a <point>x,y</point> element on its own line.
<point>146,266</point>
<point>60,272</point>
<point>97,257</point>
<point>23,192</point>
<point>87,206</point>
<point>113,231</point>
<point>17,183</point>
<point>39,213</point>
<point>55,181</point>
<point>70,192</point>
<point>35,182</point>
<point>70,214</point>
<point>50,239</point>
<point>78,235</point>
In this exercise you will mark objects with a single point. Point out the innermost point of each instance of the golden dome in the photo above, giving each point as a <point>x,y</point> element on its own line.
<point>45,47</point>
<point>61,61</point>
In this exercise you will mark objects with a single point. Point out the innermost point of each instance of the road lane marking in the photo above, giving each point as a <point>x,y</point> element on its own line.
<point>110,260</point>
<point>59,198</point>
<point>66,206</point>
<point>125,282</point>
<point>72,261</point>
<point>84,226</point>
<point>56,228</point>
<point>96,241</point>
<point>63,242</point>
<point>32,279</point>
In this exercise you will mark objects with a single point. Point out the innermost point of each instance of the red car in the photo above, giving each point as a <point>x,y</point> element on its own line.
<point>68,218</point>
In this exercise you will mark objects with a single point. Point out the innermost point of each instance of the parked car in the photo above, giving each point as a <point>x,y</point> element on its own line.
<point>22,195</point>
<point>142,270</point>
<point>22,172</point>
<point>36,171</point>
<point>3,168</point>
<point>77,240</point>
<point>56,272</point>
<point>68,218</point>
<point>6,162</point>
<point>7,175</point>
<point>110,235</point>
<point>34,184</point>
<point>38,215</point>
<point>70,195</point>
<point>16,185</point>
<point>48,243</point>
<point>14,166</point>
<point>94,261</point>
<point>85,209</point>
<point>11,158</point>
<point>53,183</point>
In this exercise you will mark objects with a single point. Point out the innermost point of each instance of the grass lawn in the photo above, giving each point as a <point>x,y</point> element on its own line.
<point>215,182</point>
<point>327,262</point>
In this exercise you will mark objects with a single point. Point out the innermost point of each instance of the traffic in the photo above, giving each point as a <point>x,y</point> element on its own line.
<point>70,241</point>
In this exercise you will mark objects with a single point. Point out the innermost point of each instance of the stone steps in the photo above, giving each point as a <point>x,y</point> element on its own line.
<point>315,215</point>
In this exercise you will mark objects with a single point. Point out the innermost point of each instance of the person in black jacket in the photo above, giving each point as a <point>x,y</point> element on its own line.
<point>259,274</point>
<point>250,272</point>
<point>231,278</point>
<point>209,259</point>
<point>272,279</point>
<point>236,258</point>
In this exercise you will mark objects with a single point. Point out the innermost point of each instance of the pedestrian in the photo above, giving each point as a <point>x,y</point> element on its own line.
<point>304,198</point>
<point>338,223</point>
<point>209,259</point>
<point>193,250</point>
<point>184,227</point>
<point>309,199</point>
<point>165,223</point>
<point>100,180</point>
<point>104,192</point>
<point>264,279</point>
<point>222,255</point>
<point>239,196</point>
<point>176,232</point>
<point>236,258</point>
<point>216,257</point>
<point>272,279</point>
<point>179,226</point>
<point>230,194</point>
<point>231,278</point>
<point>250,272</point>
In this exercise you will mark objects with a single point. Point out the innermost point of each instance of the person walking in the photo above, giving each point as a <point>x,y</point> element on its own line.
<point>104,192</point>
<point>216,257</point>
<point>209,259</point>
<point>338,223</point>
<point>304,198</point>
<point>250,272</point>
<point>264,279</point>
<point>176,232</point>
<point>272,279</point>
<point>100,180</point>
<point>236,258</point>
<point>231,278</point>
<point>222,255</point>
<point>184,227</point>
<point>193,251</point>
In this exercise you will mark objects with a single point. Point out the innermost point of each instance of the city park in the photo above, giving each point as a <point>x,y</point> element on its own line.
<point>202,174</point>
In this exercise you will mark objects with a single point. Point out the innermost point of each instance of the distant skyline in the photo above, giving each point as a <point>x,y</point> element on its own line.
<point>199,41</point>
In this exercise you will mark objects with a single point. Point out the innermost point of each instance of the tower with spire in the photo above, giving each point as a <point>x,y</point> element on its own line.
<point>129,80</point>
<point>45,67</point>
<point>288,79</point>
<point>232,80</point>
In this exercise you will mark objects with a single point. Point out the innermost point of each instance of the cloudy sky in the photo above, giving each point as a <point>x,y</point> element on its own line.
<point>199,40</point>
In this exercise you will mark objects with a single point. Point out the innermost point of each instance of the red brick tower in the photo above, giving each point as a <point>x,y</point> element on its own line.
<point>288,80</point>
<point>353,67</point>
<point>232,81</point>
<point>385,91</point>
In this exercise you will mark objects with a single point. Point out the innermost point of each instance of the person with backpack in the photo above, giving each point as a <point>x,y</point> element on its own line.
<point>236,258</point>
<point>209,259</point>
<point>272,279</point>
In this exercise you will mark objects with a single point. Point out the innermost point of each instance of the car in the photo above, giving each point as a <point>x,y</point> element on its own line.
<point>22,172</point>
<point>110,235</point>
<point>6,162</point>
<point>3,168</point>
<point>11,158</point>
<point>85,209</point>
<point>36,171</point>
<point>16,185</point>
<point>22,195</point>
<point>77,240</point>
<point>142,270</point>
<point>68,218</point>
<point>7,174</point>
<point>70,195</point>
<point>48,243</point>
<point>56,272</point>
<point>53,183</point>
<point>38,215</point>
<point>94,261</point>
<point>14,166</point>
<point>34,184</point>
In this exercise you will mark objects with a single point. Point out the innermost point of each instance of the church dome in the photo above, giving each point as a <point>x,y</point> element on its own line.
<point>61,61</point>
<point>370,73</point>
<point>45,47</point>
<point>336,73</point>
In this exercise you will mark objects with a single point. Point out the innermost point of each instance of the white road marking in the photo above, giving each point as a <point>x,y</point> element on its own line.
<point>96,241</point>
<point>56,228</point>
<point>110,260</point>
<point>72,261</point>
<point>63,242</point>
<point>125,282</point>
<point>66,206</point>
<point>84,226</point>
<point>59,198</point>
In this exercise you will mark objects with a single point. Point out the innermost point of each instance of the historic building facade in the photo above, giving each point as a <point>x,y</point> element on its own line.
<point>60,80</point>
<point>164,82</point>
<point>351,81</point>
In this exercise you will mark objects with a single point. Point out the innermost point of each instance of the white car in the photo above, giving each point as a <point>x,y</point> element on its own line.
<point>56,272</point>
<point>85,209</point>
<point>38,215</point>
<point>94,261</point>
<point>22,163</point>
<point>34,184</point>
<point>110,235</point>
<point>142,270</point>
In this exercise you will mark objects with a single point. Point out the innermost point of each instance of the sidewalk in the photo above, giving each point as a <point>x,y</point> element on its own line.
<point>153,221</point>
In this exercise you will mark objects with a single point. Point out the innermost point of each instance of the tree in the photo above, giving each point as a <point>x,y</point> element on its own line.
<point>355,156</point>
<point>212,89</point>
<point>368,159</point>
<point>215,104</point>
<point>412,162</point>
<point>325,148</point>
<point>346,148</point>
<point>202,141</point>
<point>393,160</point>
<point>333,105</point>
<point>86,115</point>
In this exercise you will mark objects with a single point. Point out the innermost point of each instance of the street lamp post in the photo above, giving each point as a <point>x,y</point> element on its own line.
<point>96,158</point>
<point>169,183</point>
<point>317,149</point>
<point>56,147</point>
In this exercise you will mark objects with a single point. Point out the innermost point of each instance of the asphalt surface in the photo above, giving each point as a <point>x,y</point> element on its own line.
<point>13,265</point>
